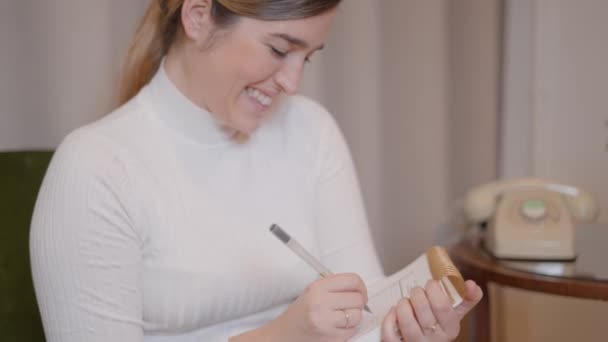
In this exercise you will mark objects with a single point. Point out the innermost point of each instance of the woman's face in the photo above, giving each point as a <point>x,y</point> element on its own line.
<point>242,74</point>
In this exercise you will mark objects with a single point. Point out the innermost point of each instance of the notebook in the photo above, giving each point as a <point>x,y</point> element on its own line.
<point>434,264</point>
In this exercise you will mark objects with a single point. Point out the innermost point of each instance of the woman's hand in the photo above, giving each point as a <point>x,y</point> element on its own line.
<point>330,309</point>
<point>428,314</point>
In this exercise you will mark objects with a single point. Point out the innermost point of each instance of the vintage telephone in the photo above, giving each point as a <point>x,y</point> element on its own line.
<point>530,218</point>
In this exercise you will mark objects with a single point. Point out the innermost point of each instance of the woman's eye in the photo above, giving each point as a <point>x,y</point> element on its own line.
<point>277,52</point>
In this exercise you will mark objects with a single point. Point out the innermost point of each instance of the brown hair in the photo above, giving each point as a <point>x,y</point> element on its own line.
<point>160,27</point>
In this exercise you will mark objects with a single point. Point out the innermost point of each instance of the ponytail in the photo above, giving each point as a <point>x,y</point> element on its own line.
<point>152,40</point>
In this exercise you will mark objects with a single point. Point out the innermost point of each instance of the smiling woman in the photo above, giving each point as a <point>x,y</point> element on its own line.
<point>261,54</point>
<point>152,223</point>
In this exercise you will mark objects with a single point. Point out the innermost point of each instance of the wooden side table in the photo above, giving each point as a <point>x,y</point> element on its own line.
<point>586,277</point>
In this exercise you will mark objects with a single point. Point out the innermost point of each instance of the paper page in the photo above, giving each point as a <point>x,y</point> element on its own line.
<point>388,292</point>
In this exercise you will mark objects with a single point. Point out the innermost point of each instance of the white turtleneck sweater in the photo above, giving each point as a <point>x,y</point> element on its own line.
<point>152,224</point>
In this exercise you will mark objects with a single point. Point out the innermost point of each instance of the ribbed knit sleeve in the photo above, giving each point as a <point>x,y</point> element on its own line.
<point>85,252</point>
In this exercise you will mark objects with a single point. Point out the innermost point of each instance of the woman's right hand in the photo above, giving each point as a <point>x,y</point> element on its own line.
<point>330,309</point>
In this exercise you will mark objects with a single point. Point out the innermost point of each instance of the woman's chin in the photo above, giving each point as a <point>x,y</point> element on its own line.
<point>243,130</point>
<point>250,128</point>
<point>250,122</point>
<point>242,121</point>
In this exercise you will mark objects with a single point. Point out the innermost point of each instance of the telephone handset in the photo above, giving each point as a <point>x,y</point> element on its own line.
<point>530,218</point>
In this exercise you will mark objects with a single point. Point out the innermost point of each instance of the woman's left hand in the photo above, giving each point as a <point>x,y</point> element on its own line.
<point>428,314</point>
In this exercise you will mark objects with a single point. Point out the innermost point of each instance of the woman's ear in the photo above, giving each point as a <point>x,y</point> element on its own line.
<point>196,19</point>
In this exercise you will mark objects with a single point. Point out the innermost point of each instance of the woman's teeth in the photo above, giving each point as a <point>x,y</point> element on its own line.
<point>261,98</point>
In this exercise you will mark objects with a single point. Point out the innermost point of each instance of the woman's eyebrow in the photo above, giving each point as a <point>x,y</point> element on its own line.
<point>295,41</point>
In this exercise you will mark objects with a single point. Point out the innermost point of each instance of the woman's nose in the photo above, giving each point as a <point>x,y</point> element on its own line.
<point>289,77</point>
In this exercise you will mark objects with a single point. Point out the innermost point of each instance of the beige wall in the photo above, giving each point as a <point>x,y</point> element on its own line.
<point>570,109</point>
<point>555,122</point>
<point>475,29</point>
<point>58,65</point>
<point>554,125</point>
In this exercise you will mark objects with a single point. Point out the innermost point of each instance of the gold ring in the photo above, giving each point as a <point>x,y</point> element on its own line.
<point>433,327</point>
<point>347,317</point>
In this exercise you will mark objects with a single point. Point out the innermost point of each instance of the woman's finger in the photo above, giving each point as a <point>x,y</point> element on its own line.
<point>473,295</point>
<point>406,321</point>
<point>344,282</point>
<point>423,312</point>
<point>347,319</point>
<point>347,300</point>
<point>441,306</point>
<point>390,330</point>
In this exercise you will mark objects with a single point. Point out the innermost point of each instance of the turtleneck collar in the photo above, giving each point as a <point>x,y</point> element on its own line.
<point>174,109</point>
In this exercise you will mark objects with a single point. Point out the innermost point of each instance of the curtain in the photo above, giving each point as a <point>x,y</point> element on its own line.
<point>59,65</point>
<point>414,85</point>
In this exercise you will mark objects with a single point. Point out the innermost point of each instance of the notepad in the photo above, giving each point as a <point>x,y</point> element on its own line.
<point>434,264</point>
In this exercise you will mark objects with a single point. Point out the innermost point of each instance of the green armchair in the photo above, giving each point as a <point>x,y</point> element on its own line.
<point>21,174</point>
